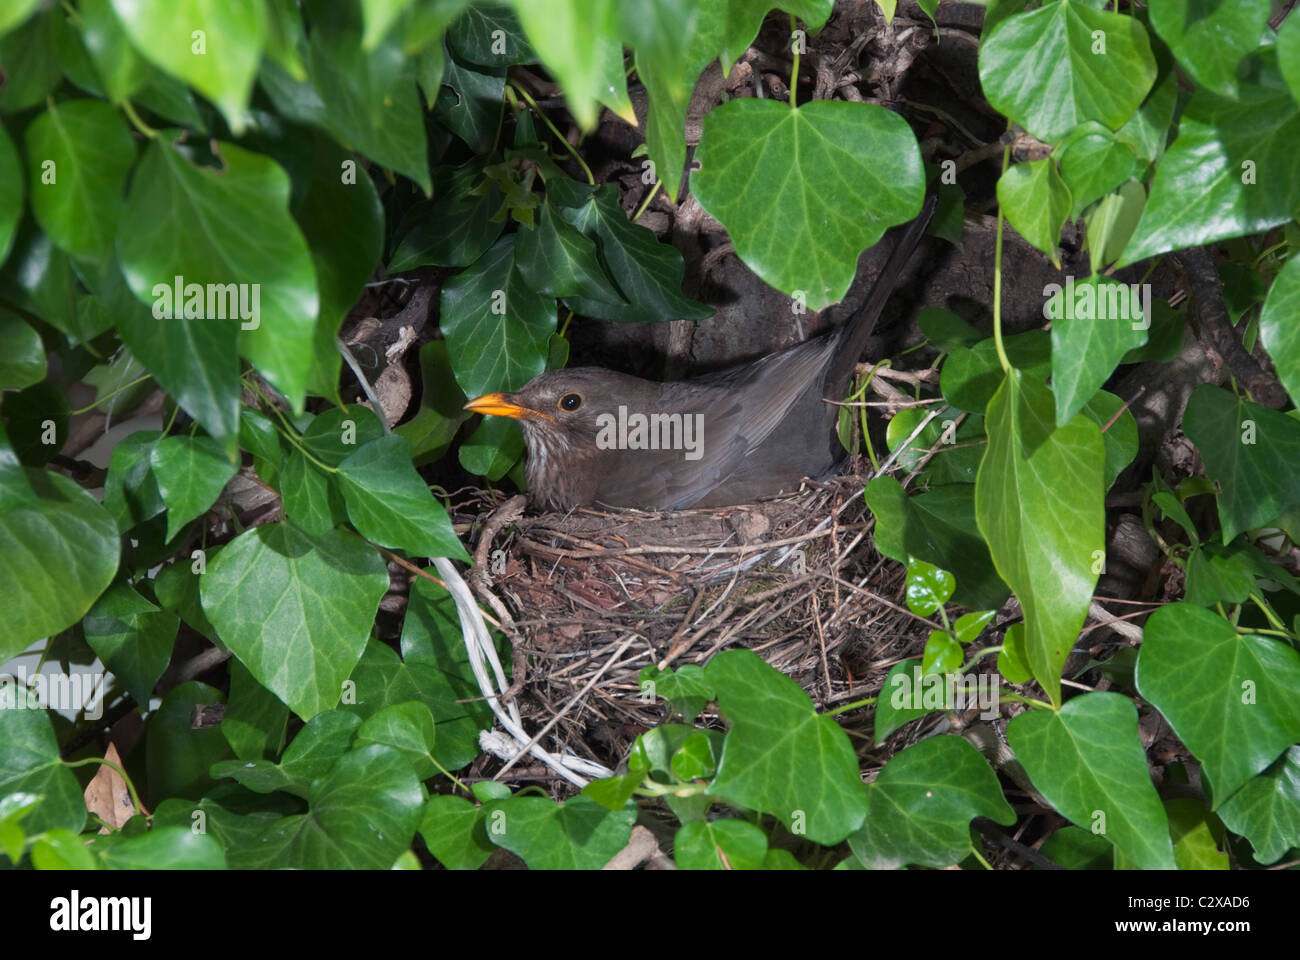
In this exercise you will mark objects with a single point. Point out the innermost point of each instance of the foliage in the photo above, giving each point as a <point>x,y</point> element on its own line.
<point>289,148</point>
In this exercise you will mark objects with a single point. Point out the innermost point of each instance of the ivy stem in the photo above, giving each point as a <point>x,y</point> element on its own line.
<point>137,122</point>
<point>997,280</point>
<point>1268,612</point>
<point>558,136</point>
<point>855,705</point>
<point>976,854</point>
<point>109,396</point>
<point>794,70</point>
<point>1028,701</point>
<point>286,430</point>
<point>135,797</point>
<point>646,202</point>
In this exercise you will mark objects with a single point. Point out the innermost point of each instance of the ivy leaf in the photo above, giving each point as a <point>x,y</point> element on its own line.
<point>30,764</point>
<point>255,721</point>
<point>1093,164</point>
<point>1227,695</point>
<point>557,260</point>
<point>492,449</point>
<point>970,377</point>
<point>1066,63</point>
<point>133,637</point>
<point>719,845</point>
<point>191,472</point>
<point>647,273</point>
<point>407,728</point>
<point>1119,433</point>
<point>471,106</point>
<point>57,543</point>
<point>220,62</point>
<point>1230,172</point>
<point>162,848</point>
<point>1088,761</point>
<point>928,587</point>
<point>452,231</point>
<point>1039,504</point>
<point>922,803</point>
<point>894,706</point>
<point>22,355</point>
<point>390,505</point>
<point>1266,810</point>
<point>495,326</point>
<point>1036,202</point>
<point>1249,451</point>
<point>1210,38</point>
<point>454,832</point>
<point>78,155</point>
<point>1278,329</point>
<point>29,60</point>
<point>780,756</point>
<point>119,68</point>
<point>1094,323</point>
<point>489,35</point>
<point>802,192</point>
<point>15,13</point>
<point>11,193</point>
<point>578,834</point>
<point>311,755</point>
<point>296,609</point>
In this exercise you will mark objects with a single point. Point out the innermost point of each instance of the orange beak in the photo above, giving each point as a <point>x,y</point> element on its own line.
<point>500,405</point>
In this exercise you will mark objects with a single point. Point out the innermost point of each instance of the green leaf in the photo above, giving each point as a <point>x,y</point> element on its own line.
<point>164,848</point>
<point>442,401</point>
<point>1094,163</point>
<point>720,845</point>
<point>22,356</point>
<point>11,193</point>
<point>578,834</point>
<point>1228,696</point>
<point>452,231</point>
<point>29,62</point>
<point>409,729</point>
<point>191,473</point>
<point>970,625</point>
<point>1036,203</point>
<point>1039,504</point>
<point>579,44</point>
<point>1119,433</point>
<point>1210,37</point>
<point>362,815</point>
<point>488,34</point>
<point>1230,172</point>
<point>1087,760</point>
<point>1279,330</point>
<point>496,328</point>
<point>1013,660</point>
<point>15,13</point>
<point>647,273</point>
<point>1112,222</point>
<point>61,850</point>
<point>215,48</point>
<point>471,104</point>
<point>311,755</point>
<point>178,755</point>
<point>1266,810</point>
<point>133,637</point>
<point>922,802</point>
<point>970,377</point>
<point>801,192</point>
<point>1056,67</point>
<point>492,449</point>
<point>454,832</point>
<point>780,756</point>
<point>957,446</point>
<point>193,357</point>
<point>58,550</point>
<point>1249,451</point>
<point>119,68</point>
<point>685,689</point>
<point>130,491</point>
<point>371,100</point>
<point>1094,323</point>
<point>557,260</point>
<point>928,587</point>
<point>1077,849</point>
<point>942,654</point>
<point>30,764</point>
<point>255,721</point>
<point>310,497</point>
<point>78,155</point>
<point>900,695</point>
<point>945,329</point>
<point>1193,835</point>
<point>296,609</point>
<point>390,505</point>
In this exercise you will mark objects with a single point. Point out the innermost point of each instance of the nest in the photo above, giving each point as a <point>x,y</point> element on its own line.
<point>592,597</point>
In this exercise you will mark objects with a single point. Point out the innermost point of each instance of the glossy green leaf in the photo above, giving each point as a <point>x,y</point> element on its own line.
<point>15,13</point>
<point>58,548</point>
<point>1266,810</point>
<point>22,355</point>
<point>492,449</point>
<point>1190,828</point>
<point>11,192</point>
<point>1230,172</point>
<point>133,637</point>
<point>30,764</point>
<point>406,727</point>
<point>179,755</point>
<point>802,192</point>
<point>61,849</point>
<point>1066,63</point>
<point>1036,202</point>
<point>256,720</point>
<point>454,831</point>
<point>1227,695</point>
<point>647,273</point>
<point>311,755</point>
<point>1087,760</point>
<point>902,699</point>
<point>1210,37</point>
<point>685,689</point>
<point>1249,451</point>
<point>1279,325</point>
<point>130,490</point>
<point>557,260</point>
<point>390,505</point>
<point>1013,660</point>
<point>452,230</point>
<point>922,802</point>
<point>119,68</point>
<point>970,377</point>
<point>1119,432</point>
<point>214,47</point>
<point>495,326</point>
<point>1112,222</point>
<point>1094,164</point>
<point>29,62</point>
<point>719,845</point>
<point>191,473</point>
<point>296,609</point>
<point>780,756</point>
<point>578,834</point>
<point>470,103</point>
<point>1094,323</point>
<point>1039,505</point>
<point>927,587</point>
<point>165,848</point>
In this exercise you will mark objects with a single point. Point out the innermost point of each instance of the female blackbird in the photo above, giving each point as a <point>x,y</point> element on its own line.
<point>597,436</point>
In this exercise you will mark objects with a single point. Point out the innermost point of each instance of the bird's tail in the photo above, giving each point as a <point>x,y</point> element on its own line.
<point>857,331</point>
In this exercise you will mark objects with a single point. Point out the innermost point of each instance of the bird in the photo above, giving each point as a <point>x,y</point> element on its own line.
<point>599,437</point>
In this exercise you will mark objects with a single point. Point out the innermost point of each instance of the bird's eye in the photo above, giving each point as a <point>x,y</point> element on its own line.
<point>570,402</point>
